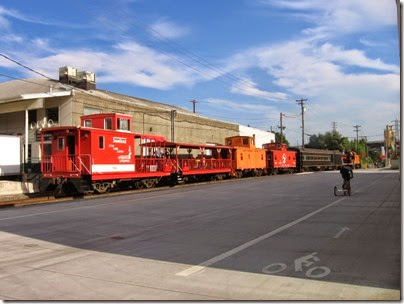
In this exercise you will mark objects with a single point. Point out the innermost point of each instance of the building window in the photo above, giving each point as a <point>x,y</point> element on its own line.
<point>61,143</point>
<point>101,143</point>
<point>108,123</point>
<point>32,116</point>
<point>52,113</point>
<point>123,124</point>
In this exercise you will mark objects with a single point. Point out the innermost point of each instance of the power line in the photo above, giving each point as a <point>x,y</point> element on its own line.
<point>24,66</point>
<point>196,58</point>
<point>24,80</point>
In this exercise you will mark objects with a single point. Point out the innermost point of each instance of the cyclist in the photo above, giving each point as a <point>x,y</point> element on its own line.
<point>346,173</point>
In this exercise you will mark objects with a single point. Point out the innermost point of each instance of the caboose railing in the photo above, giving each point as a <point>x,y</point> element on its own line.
<point>69,163</point>
<point>145,165</point>
<point>192,164</point>
<point>66,164</point>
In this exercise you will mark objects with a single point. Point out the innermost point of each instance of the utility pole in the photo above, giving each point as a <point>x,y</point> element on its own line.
<point>193,105</point>
<point>357,137</point>
<point>281,126</point>
<point>334,126</point>
<point>173,113</point>
<point>397,129</point>
<point>301,103</point>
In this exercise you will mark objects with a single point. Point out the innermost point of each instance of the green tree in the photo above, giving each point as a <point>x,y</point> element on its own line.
<point>330,140</point>
<point>278,138</point>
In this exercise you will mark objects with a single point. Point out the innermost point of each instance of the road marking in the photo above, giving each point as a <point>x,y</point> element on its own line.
<point>306,261</point>
<point>341,232</point>
<point>274,268</point>
<point>203,265</point>
<point>220,257</point>
<point>304,173</point>
<point>322,272</point>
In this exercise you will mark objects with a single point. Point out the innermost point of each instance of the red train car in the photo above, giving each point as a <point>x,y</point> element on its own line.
<point>279,158</point>
<point>98,155</point>
<point>103,153</point>
<point>193,162</point>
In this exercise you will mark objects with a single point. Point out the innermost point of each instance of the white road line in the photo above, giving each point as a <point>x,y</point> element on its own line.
<point>203,265</point>
<point>235,250</point>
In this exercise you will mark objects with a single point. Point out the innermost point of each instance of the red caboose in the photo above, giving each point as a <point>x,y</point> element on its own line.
<point>279,158</point>
<point>99,154</point>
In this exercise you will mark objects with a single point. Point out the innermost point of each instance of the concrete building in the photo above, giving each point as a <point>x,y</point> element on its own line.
<point>261,136</point>
<point>28,105</point>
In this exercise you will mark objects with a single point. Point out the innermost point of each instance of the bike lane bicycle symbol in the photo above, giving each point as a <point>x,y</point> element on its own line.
<point>306,261</point>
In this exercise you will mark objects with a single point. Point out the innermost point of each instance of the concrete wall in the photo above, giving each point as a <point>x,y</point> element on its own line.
<point>189,128</point>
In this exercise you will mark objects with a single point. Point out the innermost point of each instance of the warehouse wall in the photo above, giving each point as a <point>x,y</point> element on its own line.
<point>188,128</point>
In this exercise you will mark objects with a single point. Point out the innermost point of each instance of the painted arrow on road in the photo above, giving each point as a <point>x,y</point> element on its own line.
<point>341,232</point>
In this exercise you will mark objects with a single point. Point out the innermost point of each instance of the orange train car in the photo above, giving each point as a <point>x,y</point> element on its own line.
<point>280,159</point>
<point>247,160</point>
<point>355,157</point>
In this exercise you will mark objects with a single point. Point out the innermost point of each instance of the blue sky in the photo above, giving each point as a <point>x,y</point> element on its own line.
<point>244,61</point>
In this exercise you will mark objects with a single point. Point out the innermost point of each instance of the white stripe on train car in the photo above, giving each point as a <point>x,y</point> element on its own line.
<point>113,168</point>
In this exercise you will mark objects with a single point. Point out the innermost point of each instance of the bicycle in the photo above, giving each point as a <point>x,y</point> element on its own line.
<point>346,188</point>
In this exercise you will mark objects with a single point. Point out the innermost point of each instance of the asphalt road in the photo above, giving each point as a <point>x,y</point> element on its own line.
<point>276,237</point>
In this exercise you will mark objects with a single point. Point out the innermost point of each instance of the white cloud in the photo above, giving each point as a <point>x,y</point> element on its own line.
<point>130,62</point>
<point>354,58</point>
<point>168,29</point>
<point>249,88</point>
<point>342,16</point>
<point>332,78</point>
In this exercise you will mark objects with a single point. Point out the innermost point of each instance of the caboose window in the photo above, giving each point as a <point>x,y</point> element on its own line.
<point>101,143</point>
<point>245,141</point>
<point>229,142</point>
<point>123,124</point>
<point>61,143</point>
<point>88,123</point>
<point>108,123</point>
